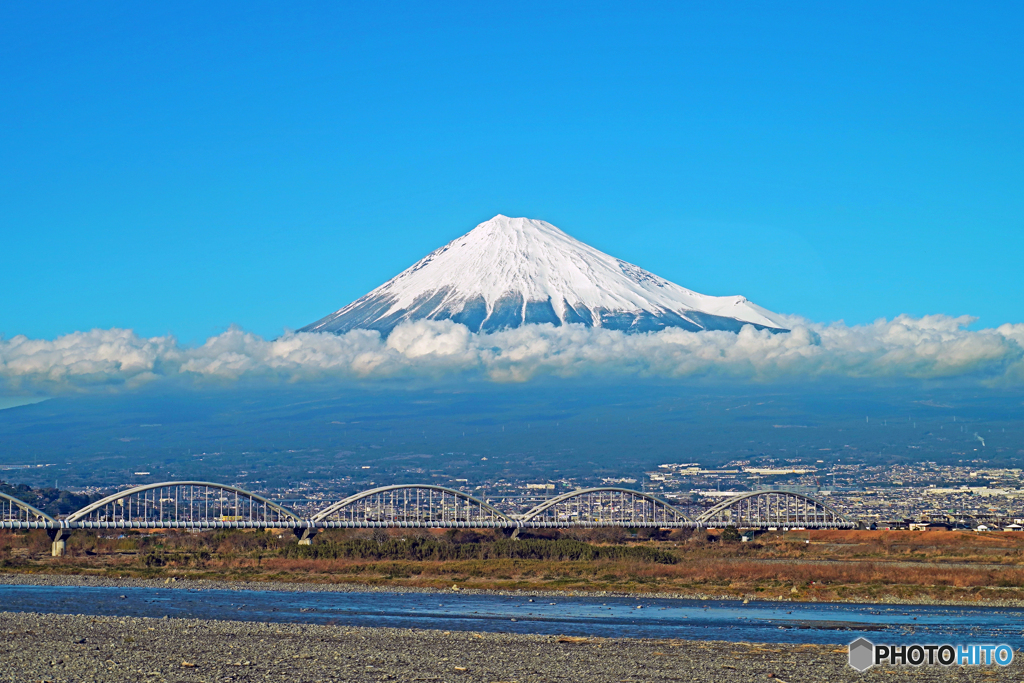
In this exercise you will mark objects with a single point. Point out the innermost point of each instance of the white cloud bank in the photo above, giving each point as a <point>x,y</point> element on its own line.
<point>930,347</point>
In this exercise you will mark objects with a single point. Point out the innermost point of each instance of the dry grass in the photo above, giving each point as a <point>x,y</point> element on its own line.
<point>834,565</point>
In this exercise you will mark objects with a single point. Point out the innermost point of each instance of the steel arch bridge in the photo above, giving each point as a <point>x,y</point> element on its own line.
<point>412,505</point>
<point>17,514</point>
<point>774,509</point>
<point>202,505</point>
<point>605,506</point>
<point>183,505</point>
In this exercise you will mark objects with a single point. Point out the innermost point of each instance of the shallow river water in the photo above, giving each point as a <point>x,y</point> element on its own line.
<point>775,622</point>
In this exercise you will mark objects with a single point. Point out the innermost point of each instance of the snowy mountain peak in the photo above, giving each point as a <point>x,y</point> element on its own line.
<point>507,272</point>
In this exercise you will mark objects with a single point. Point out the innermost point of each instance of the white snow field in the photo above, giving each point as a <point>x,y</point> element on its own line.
<point>509,272</point>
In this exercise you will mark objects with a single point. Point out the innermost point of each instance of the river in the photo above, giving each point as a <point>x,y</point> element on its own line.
<point>773,622</point>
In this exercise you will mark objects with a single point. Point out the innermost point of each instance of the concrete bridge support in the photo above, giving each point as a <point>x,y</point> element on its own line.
<point>57,541</point>
<point>305,535</point>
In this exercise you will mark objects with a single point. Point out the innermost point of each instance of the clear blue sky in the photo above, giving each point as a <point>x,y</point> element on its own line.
<point>177,167</point>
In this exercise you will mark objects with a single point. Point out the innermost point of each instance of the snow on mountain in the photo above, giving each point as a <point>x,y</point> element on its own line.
<point>507,272</point>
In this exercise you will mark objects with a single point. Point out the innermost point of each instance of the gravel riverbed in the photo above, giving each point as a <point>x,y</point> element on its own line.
<point>84,649</point>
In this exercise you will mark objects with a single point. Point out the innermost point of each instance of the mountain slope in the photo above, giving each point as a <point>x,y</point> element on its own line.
<point>507,272</point>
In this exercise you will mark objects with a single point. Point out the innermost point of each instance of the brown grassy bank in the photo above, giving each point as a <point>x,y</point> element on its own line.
<point>833,565</point>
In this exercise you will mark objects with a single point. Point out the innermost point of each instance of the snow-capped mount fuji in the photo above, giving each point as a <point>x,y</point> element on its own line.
<point>508,272</point>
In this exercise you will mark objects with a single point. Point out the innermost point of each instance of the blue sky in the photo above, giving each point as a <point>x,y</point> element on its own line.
<point>181,167</point>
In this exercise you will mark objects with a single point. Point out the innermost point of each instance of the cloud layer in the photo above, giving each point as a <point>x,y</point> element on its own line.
<point>929,347</point>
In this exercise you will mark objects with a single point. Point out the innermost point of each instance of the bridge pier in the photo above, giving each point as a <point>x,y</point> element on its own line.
<point>57,541</point>
<point>305,535</point>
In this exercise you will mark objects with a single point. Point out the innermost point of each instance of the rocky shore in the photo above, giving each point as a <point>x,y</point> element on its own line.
<point>83,649</point>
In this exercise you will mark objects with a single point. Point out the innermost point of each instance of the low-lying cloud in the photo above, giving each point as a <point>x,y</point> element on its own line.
<point>929,347</point>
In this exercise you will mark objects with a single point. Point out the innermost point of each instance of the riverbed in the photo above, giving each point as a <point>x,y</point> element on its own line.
<point>576,615</point>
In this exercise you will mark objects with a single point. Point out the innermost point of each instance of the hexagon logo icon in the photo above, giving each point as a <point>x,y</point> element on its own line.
<point>862,654</point>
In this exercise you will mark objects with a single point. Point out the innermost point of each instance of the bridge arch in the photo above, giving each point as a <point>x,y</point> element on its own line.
<point>187,504</point>
<point>773,508</point>
<point>606,506</point>
<point>412,505</point>
<point>13,510</point>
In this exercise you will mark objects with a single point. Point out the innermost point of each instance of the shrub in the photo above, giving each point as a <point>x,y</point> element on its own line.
<point>430,549</point>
